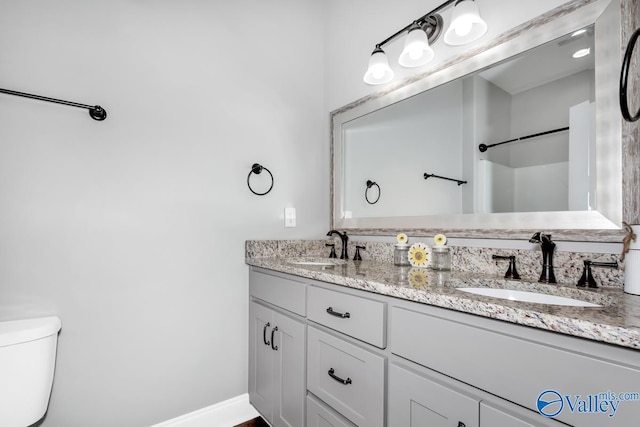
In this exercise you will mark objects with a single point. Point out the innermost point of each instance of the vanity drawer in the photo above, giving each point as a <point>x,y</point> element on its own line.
<point>357,317</point>
<point>346,377</point>
<point>320,415</point>
<point>286,293</point>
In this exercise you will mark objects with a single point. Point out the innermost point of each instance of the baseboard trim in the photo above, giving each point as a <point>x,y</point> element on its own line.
<point>228,413</point>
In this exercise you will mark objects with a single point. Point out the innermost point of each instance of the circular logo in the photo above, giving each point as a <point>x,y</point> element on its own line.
<point>550,403</point>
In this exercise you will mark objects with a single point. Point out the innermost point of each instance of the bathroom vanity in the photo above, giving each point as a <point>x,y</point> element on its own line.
<point>358,343</point>
<point>369,344</point>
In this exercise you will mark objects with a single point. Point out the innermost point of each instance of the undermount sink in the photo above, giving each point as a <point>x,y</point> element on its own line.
<point>525,296</point>
<point>316,262</point>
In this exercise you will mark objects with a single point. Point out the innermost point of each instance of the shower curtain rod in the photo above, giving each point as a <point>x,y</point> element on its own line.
<point>484,147</point>
<point>95,111</point>
<point>431,175</point>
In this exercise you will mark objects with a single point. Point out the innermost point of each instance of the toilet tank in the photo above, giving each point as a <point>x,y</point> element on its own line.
<point>27,361</point>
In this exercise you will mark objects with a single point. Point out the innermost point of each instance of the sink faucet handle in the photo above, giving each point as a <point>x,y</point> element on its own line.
<point>587,276</point>
<point>333,250</point>
<point>511,273</point>
<point>357,256</point>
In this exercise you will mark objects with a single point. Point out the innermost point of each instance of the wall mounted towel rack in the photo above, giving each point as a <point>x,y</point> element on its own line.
<point>95,111</point>
<point>366,192</point>
<point>484,147</point>
<point>257,170</point>
<point>624,80</point>
<point>430,175</point>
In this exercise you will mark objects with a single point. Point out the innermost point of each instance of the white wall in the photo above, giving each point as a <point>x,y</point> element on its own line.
<point>132,230</point>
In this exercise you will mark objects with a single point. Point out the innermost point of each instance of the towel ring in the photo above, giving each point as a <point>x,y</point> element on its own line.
<point>366,191</point>
<point>257,169</point>
<point>624,77</point>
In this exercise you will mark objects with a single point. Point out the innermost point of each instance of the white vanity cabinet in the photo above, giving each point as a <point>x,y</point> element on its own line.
<point>347,357</point>
<point>277,342</point>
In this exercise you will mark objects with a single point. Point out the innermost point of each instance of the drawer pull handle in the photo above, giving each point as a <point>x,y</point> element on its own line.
<point>273,331</point>
<point>337,378</point>
<point>335,313</point>
<point>264,334</point>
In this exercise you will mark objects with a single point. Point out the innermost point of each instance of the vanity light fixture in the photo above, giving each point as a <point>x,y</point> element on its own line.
<point>466,27</point>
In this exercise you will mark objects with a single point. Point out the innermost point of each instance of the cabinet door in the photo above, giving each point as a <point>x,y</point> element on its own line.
<point>289,371</point>
<point>417,401</point>
<point>261,382</point>
<point>492,415</point>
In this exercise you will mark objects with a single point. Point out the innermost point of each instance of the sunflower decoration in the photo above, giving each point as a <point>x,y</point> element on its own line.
<point>417,278</point>
<point>418,255</point>
<point>440,239</point>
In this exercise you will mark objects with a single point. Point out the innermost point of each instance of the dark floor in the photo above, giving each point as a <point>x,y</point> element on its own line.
<point>256,422</point>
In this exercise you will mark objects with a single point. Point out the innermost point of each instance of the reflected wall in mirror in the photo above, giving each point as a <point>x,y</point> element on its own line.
<point>525,83</point>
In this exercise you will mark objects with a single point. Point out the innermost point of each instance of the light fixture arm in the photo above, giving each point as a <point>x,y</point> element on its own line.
<point>421,21</point>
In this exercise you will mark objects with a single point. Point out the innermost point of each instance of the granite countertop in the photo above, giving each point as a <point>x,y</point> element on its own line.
<point>616,322</point>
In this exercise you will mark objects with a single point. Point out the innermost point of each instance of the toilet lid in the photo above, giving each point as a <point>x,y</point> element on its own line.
<point>20,331</point>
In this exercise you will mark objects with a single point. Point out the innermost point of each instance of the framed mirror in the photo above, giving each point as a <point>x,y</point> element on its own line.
<point>513,136</point>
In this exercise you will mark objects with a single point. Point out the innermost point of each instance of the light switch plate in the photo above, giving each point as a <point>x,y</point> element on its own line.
<point>289,217</point>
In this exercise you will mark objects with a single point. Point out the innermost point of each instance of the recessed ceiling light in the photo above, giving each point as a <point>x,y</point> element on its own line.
<point>582,52</point>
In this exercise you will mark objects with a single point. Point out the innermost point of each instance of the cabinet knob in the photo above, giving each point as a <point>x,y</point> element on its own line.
<point>264,334</point>
<point>461,424</point>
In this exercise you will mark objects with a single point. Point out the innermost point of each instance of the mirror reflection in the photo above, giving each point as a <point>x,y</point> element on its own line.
<point>516,137</point>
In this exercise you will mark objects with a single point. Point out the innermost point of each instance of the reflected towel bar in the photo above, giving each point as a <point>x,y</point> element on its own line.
<point>484,147</point>
<point>429,175</point>
<point>95,111</point>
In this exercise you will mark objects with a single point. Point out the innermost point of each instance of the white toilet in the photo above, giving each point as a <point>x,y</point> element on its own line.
<point>27,361</point>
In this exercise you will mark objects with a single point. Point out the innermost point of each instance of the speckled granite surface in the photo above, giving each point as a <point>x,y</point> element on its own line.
<point>616,322</point>
<point>567,265</point>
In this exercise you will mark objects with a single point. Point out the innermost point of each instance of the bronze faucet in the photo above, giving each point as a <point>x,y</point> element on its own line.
<point>548,246</point>
<point>345,240</point>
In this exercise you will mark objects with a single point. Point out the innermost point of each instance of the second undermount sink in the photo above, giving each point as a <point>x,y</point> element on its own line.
<point>525,296</point>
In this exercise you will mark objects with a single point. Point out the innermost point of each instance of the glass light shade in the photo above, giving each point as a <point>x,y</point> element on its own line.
<point>379,71</point>
<point>466,24</point>
<point>416,50</point>
<point>582,53</point>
